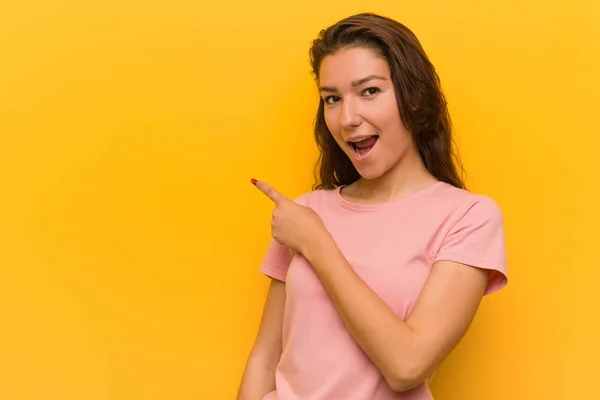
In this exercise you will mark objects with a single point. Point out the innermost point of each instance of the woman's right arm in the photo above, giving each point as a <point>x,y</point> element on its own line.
<point>259,375</point>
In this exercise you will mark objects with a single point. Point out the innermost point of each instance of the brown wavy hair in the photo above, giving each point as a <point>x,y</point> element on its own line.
<point>422,105</point>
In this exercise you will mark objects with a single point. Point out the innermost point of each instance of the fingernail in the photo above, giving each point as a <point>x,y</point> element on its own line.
<point>254,181</point>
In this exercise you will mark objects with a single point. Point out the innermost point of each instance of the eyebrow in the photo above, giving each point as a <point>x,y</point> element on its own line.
<point>354,84</point>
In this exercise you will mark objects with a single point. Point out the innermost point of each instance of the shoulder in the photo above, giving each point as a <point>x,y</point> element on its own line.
<point>472,233</point>
<point>462,203</point>
<point>315,198</point>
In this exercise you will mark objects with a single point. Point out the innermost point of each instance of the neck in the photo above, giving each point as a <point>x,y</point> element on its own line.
<point>408,176</point>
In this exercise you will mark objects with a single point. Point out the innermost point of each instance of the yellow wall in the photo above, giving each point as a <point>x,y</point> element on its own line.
<point>130,237</point>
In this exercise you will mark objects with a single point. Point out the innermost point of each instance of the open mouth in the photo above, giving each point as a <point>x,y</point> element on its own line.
<point>363,146</point>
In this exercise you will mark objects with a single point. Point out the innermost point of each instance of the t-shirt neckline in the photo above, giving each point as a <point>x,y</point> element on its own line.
<point>381,206</point>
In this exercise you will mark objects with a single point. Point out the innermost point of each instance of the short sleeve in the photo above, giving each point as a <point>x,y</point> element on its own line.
<point>276,261</point>
<point>277,258</point>
<point>477,239</point>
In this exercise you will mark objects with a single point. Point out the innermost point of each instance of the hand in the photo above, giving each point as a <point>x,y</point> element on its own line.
<point>297,227</point>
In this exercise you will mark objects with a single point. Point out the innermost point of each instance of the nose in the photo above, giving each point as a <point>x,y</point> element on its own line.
<point>349,114</point>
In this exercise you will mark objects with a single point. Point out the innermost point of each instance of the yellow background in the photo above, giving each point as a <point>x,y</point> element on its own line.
<point>130,237</point>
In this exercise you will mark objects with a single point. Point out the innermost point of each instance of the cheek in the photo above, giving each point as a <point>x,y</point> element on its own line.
<point>391,121</point>
<point>390,116</point>
<point>332,125</point>
<point>329,119</point>
<point>398,140</point>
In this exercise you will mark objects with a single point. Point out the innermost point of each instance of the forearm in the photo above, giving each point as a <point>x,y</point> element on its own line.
<point>389,342</point>
<point>258,380</point>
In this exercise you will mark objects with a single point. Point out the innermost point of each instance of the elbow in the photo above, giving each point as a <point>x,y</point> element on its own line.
<point>406,377</point>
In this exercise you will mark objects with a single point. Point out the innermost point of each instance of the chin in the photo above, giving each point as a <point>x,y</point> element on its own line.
<point>369,173</point>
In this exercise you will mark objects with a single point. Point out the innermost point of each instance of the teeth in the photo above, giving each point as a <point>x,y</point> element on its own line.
<point>363,139</point>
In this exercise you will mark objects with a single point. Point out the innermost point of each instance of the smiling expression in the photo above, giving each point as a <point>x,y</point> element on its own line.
<point>361,110</point>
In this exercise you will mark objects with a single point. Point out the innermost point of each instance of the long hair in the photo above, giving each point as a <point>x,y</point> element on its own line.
<point>422,105</point>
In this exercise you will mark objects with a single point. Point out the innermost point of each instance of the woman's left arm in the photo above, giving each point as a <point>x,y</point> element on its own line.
<point>406,352</point>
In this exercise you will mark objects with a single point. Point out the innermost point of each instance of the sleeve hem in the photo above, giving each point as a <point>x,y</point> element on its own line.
<point>498,277</point>
<point>272,272</point>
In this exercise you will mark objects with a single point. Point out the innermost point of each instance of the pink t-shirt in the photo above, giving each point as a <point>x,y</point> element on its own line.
<point>392,246</point>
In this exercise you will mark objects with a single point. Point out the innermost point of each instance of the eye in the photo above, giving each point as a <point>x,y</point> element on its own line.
<point>371,91</point>
<point>331,99</point>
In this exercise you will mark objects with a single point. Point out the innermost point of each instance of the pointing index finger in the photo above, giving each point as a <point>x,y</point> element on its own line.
<point>270,191</point>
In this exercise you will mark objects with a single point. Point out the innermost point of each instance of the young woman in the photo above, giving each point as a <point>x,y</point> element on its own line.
<point>378,273</point>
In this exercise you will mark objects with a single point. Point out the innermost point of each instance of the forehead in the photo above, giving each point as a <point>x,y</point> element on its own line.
<point>351,64</point>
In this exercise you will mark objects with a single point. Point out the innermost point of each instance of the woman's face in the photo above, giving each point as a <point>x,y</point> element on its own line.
<point>361,110</point>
